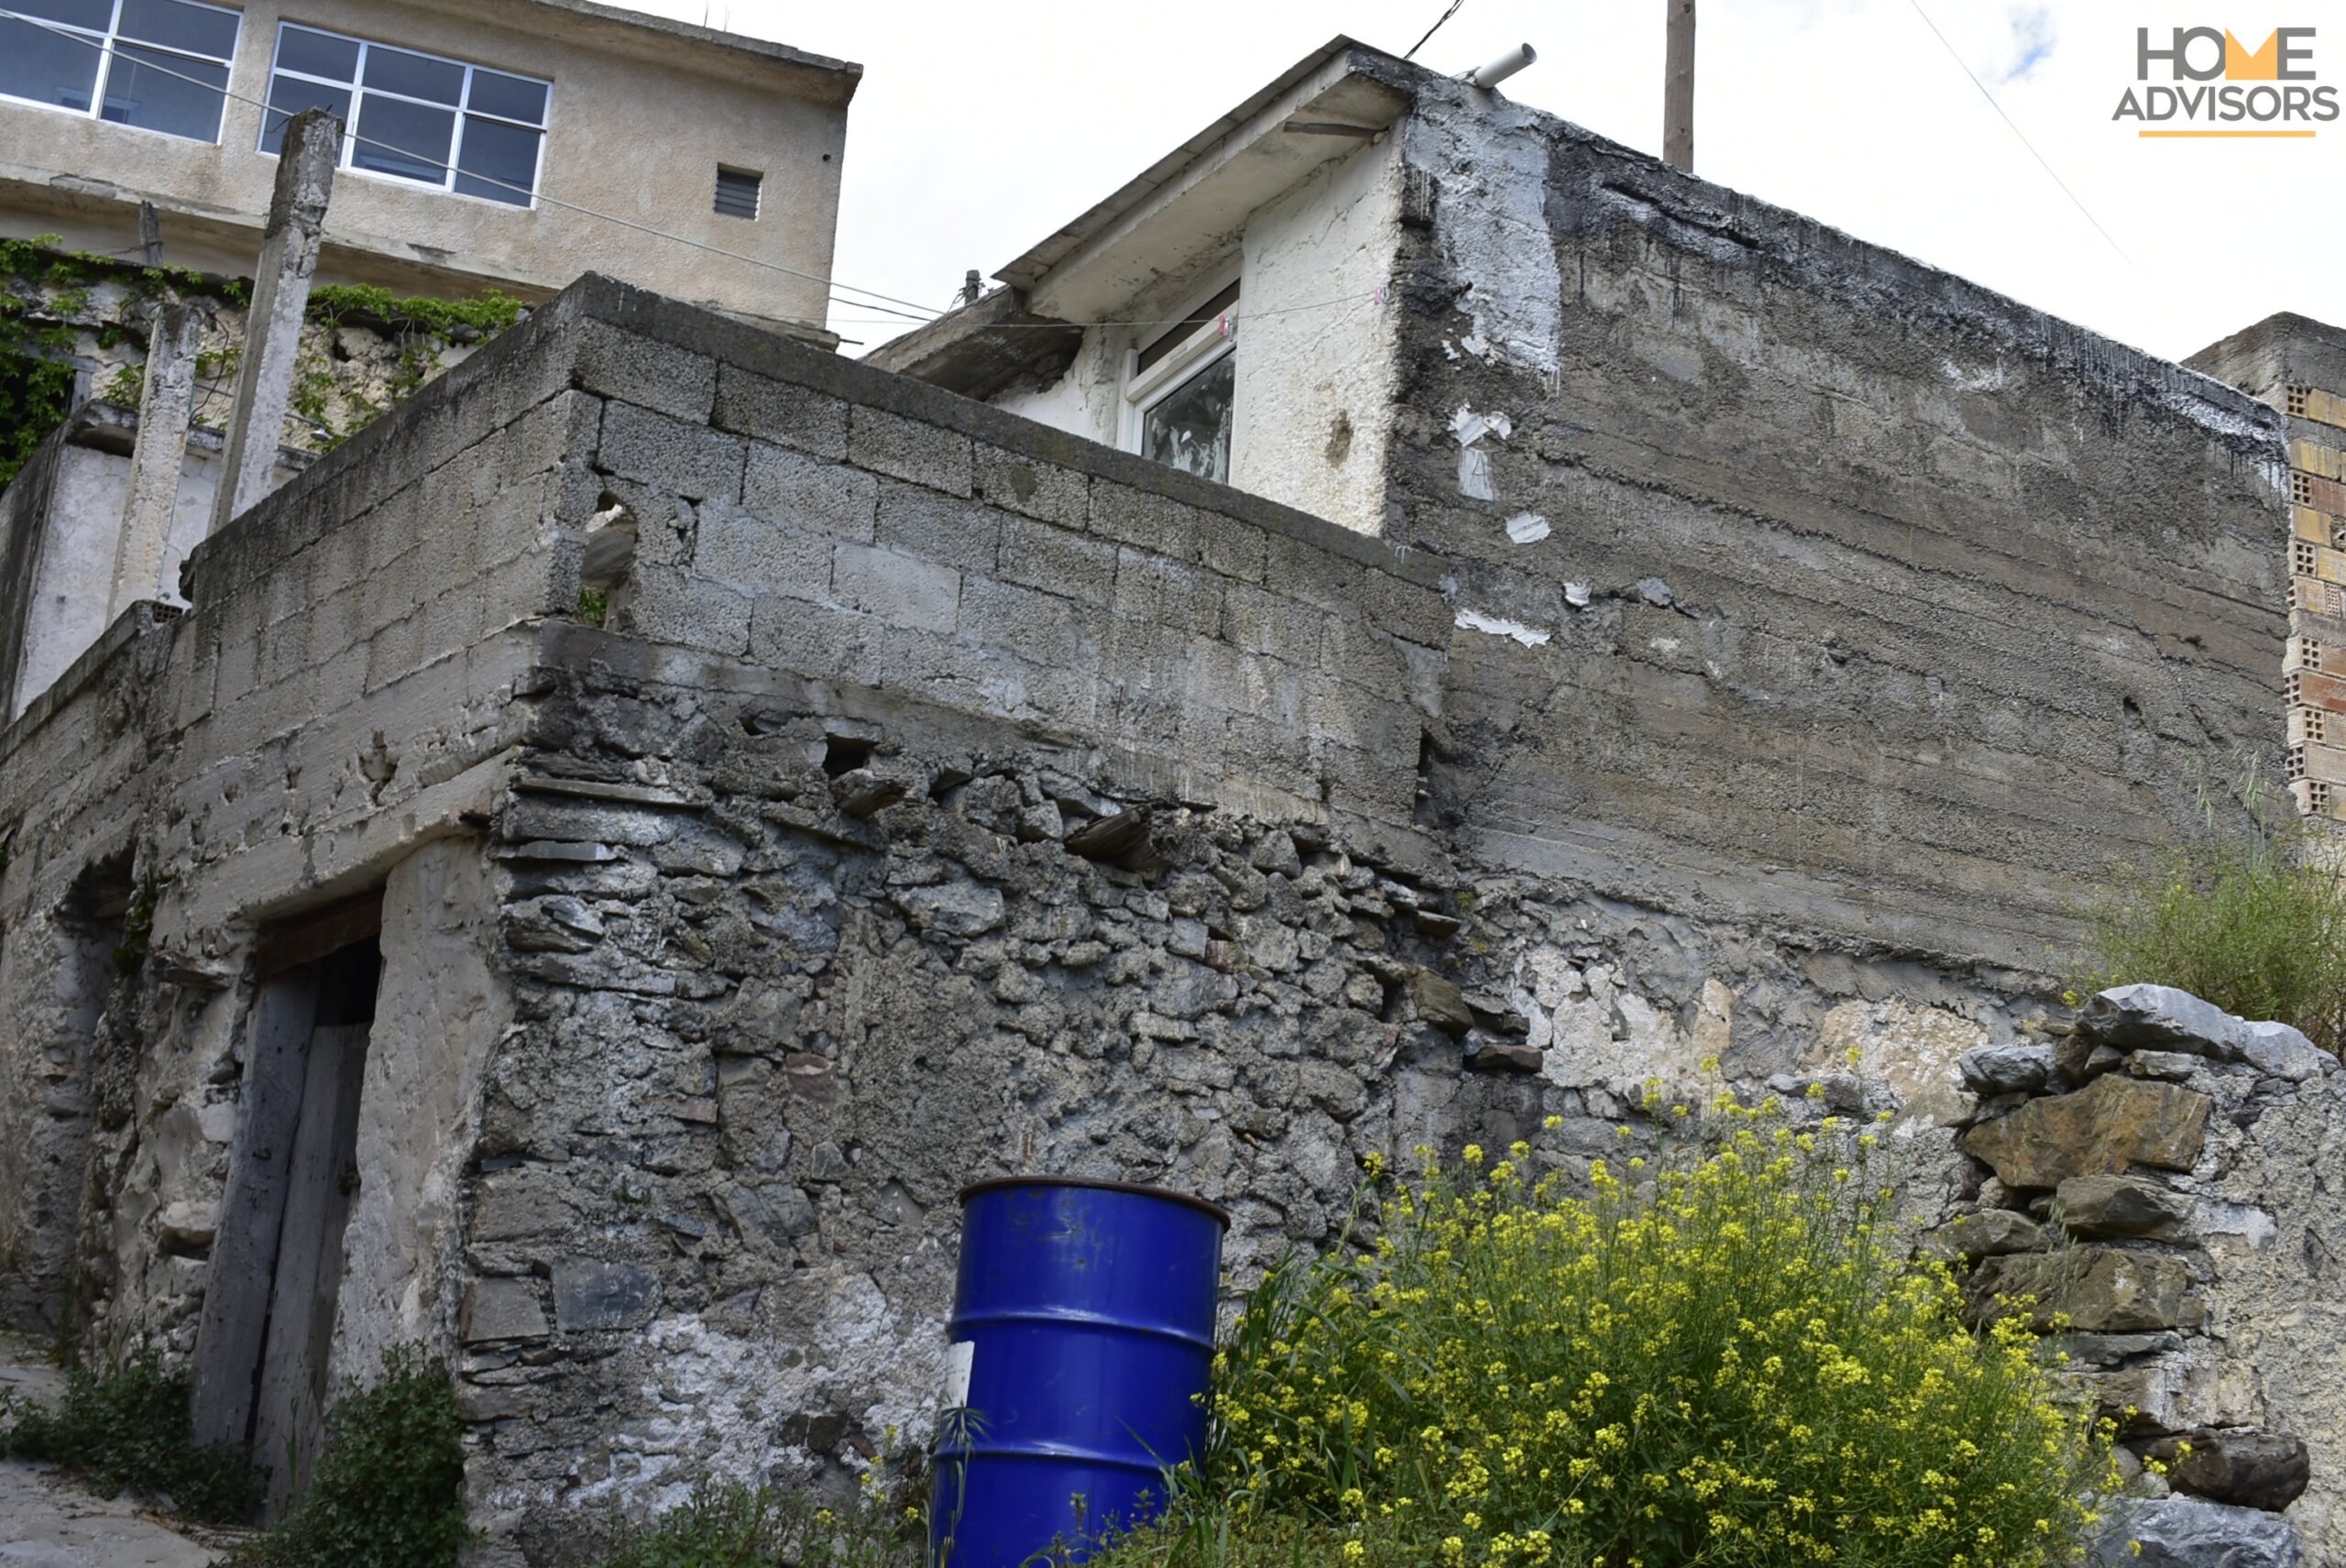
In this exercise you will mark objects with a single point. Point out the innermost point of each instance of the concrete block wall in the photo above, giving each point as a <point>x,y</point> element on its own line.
<point>802,512</point>
<point>1825,588</point>
<point>339,694</point>
<point>2297,367</point>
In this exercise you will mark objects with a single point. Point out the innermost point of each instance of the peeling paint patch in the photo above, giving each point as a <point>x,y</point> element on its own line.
<point>1475,475</point>
<point>1527,527</point>
<point>1475,620</point>
<point>1576,595</point>
<point>1469,427</point>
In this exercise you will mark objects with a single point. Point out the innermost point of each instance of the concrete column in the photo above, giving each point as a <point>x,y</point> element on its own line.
<point>288,255</point>
<point>164,410</point>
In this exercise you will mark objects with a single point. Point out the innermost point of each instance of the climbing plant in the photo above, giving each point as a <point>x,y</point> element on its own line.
<point>59,309</point>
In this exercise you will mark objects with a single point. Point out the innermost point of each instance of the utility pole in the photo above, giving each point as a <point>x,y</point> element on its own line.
<point>1678,89</point>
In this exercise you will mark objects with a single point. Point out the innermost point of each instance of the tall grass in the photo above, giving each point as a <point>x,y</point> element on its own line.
<point>1732,1358</point>
<point>2248,912</point>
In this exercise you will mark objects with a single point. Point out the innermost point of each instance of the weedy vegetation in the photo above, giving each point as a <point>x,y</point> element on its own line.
<point>128,1431</point>
<point>1728,1356</point>
<point>2248,912</point>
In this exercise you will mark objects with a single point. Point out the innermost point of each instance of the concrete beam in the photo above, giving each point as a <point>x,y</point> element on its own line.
<point>289,257</point>
<point>164,410</point>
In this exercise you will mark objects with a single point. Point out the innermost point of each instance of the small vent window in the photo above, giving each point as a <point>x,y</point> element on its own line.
<point>737,193</point>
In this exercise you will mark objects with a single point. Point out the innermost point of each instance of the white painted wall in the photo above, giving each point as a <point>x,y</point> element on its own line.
<point>1315,346</point>
<point>79,538</point>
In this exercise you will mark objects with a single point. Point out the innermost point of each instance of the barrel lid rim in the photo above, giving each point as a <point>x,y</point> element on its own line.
<point>1138,1188</point>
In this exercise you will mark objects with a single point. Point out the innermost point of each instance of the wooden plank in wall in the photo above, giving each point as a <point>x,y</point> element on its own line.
<point>244,1250</point>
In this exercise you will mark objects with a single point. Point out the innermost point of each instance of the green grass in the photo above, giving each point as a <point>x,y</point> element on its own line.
<point>2248,912</point>
<point>726,1525</point>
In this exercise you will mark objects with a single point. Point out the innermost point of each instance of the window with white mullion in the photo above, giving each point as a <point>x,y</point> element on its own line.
<point>158,65</point>
<point>413,116</point>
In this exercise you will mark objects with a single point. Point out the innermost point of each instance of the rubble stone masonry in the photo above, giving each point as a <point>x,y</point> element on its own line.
<point>790,792</point>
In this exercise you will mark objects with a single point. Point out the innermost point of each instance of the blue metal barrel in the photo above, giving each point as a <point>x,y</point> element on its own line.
<point>1082,1338</point>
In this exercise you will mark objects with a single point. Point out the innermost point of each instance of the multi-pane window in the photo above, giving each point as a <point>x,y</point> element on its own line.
<point>161,65</point>
<point>413,116</point>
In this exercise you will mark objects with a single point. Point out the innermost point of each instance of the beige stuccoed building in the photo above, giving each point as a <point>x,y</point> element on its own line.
<point>488,139</point>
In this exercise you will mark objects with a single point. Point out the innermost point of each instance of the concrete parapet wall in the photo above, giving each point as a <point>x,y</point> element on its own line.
<point>1853,597</point>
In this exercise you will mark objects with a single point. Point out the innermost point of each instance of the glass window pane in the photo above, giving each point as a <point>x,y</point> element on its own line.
<point>1190,427</point>
<point>499,162</point>
<point>319,54</point>
<point>288,96</point>
<point>146,87</point>
<point>409,140</point>
<point>508,97</point>
<point>396,70</point>
<point>198,29</point>
<point>91,13</point>
<point>46,67</point>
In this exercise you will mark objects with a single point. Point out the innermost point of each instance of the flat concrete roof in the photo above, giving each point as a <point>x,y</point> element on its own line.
<point>823,77</point>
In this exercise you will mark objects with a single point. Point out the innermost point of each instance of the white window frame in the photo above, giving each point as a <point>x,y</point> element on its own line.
<point>105,43</point>
<point>462,109</point>
<point>1143,389</point>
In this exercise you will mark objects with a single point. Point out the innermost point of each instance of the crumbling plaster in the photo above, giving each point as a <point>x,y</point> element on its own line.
<point>944,796</point>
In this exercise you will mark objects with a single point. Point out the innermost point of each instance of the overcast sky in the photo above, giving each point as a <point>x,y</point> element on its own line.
<point>979,128</point>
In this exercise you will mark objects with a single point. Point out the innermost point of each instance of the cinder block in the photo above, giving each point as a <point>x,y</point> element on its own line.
<point>1151,588</point>
<point>393,651</point>
<point>945,528</point>
<point>907,449</point>
<point>620,364</point>
<point>665,605</point>
<point>796,488</point>
<point>238,662</point>
<point>1232,548</point>
<point>1261,622</point>
<point>689,459</point>
<point>2310,525</point>
<point>1032,488</point>
<point>568,424</point>
<point>781,411</point>
<point>1136,517</point>
<point>1405,609</point>
<point>515,520</point>
<point>1037,627</point>
<point>761,554</point>
<point>1040,555</point>
<point>1311,575</point>
<point>900,589</point>
<point>807,639</point>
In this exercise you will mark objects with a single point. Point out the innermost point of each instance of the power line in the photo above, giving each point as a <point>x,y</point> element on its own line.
<point>2016,131</point>
<point>1435,28</point>
<point>874,299</point>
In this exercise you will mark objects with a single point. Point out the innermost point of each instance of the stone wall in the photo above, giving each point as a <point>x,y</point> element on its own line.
<point>2182,1151</point>
<point>1808,583</point>
<point>796,792</point>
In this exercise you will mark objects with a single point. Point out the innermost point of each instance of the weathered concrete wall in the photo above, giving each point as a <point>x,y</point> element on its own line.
<point>938,797</point>
<point>1812,584</point>
<point>337,696</point>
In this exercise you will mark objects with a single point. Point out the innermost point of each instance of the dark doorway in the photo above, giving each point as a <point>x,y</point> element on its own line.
<point>265,1346</point>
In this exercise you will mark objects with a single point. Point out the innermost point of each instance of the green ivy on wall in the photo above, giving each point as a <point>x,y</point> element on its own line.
<point>45,303</point>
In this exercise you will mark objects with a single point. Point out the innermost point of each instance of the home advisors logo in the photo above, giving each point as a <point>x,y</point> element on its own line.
<point>2284,101</point>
